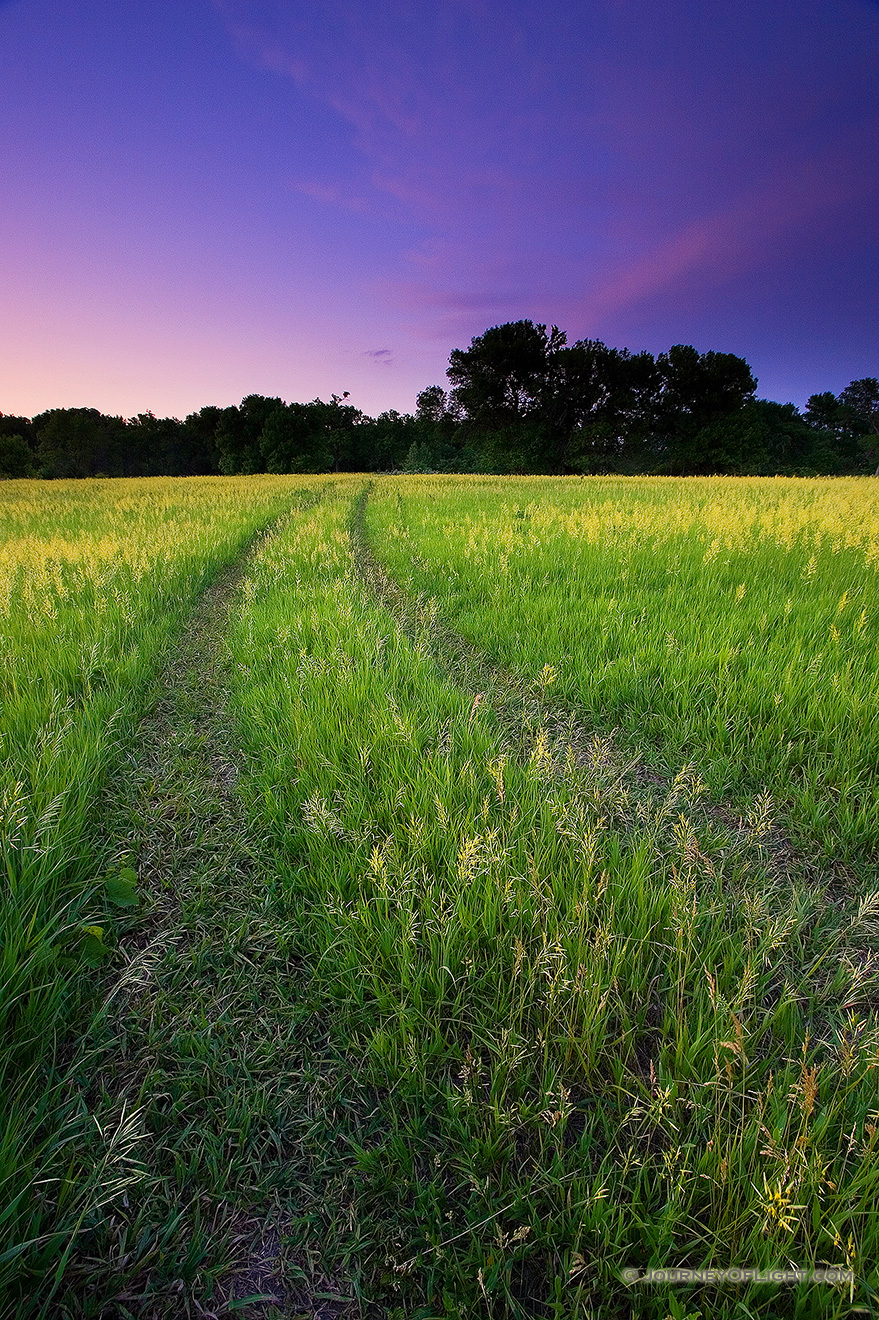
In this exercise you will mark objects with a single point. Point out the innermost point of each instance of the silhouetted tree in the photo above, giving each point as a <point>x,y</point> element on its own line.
<point>16,461</point>
<point>695,391</point>
<point>310,437</point>
<point>534,404</point>
<point>293,440</point>
<point>609,423</point>
<point>499,384</point>
<point>521,400</point>
<point>439,442</point>
<point>78,442</point>
<point>340,422</point>
<point>199,438</point>
<point>153,447</point>
<point>861,398</point>
<point>764,438</point>
<point>384,441</point>
<point>12,425</point>
<point>16,458</point>
<point>846,423</point>
<point>431,405</point>
<point>238,433</point>
<point>501,378</point>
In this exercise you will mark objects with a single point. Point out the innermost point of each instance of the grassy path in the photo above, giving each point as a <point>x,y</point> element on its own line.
<point>731,623</point>
<point>526,710</point>
<point>96,581</point>
<point>180,1090</point>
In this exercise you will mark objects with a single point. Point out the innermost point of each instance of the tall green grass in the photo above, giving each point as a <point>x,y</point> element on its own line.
<point>95,578</point>
<point>569,1026</point>
<point>731,622</point>
<point>489,1019</point>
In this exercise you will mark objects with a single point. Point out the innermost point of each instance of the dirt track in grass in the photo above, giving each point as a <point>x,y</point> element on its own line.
<point>522,711</point>
<point>199,1043</point>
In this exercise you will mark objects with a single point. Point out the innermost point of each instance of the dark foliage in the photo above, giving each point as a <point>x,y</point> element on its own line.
<point>16,457</point>
<point>521,400</point>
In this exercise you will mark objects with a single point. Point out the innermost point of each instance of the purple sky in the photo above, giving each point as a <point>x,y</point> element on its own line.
<point>207,198</point>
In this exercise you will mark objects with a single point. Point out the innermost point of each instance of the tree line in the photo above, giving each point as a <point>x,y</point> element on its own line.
<point>520,399</point>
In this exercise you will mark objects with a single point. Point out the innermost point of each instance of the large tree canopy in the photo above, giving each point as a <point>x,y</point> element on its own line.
<point>547,406</point>
<point>501,379</point>
<point>696,392</point>
<point>78,442</point>
<point>309,437</point>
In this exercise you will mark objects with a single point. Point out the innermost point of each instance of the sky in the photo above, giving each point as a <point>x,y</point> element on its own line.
<point>203,199</point>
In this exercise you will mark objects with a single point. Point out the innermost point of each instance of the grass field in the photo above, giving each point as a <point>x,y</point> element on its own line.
<point>469,896</point>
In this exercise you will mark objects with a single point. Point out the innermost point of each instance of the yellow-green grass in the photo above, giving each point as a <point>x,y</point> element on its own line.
<point>733,622</point>
<point>95,577</point>
<point>534,1020</point>
<point>567,1030</point>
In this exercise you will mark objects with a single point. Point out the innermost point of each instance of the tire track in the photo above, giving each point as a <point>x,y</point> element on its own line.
<point>527,714</point>
<point>196,1043</point>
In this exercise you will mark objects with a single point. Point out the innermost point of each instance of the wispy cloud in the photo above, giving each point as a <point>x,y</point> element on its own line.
<point>742,238</point>
<point>256,45</point>
<point>573,164</point>
<point>383,356</point>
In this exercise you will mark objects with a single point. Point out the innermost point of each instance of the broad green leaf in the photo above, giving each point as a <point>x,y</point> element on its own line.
<point>92,946</point>
<point>122,888</point>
